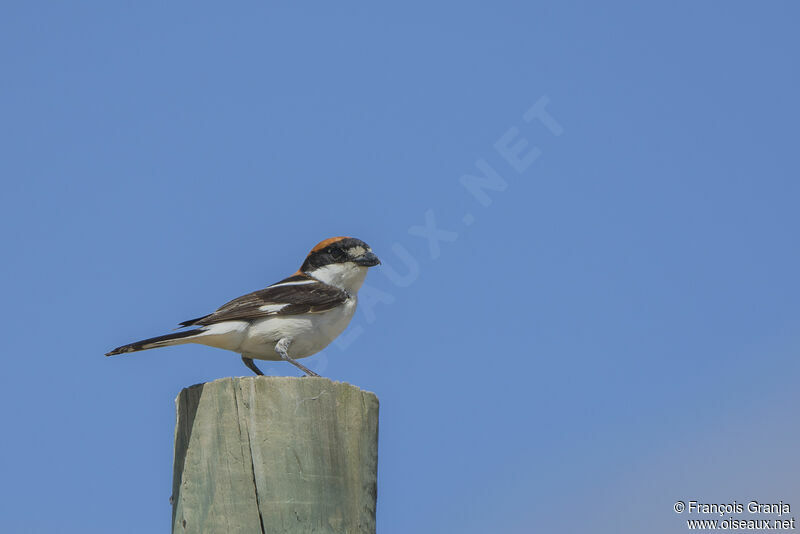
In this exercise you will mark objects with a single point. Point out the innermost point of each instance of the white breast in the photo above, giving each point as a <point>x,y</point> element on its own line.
<point>309,333</point>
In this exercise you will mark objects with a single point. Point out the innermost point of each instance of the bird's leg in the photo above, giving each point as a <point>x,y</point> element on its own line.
<point>251,365</point>
<point>282,347</point>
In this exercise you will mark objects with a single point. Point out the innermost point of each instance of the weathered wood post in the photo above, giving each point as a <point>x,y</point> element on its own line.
<point>275,454</point>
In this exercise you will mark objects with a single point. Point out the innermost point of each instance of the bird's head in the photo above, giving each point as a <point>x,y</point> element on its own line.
<point>340,261</point>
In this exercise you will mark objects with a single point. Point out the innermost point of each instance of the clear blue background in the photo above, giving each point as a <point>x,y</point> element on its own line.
<point>617,330</point>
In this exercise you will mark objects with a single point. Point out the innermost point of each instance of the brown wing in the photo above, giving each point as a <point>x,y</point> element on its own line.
<point>310,296</point>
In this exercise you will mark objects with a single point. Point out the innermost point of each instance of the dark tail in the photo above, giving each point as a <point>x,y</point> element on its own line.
<point>155,342</point>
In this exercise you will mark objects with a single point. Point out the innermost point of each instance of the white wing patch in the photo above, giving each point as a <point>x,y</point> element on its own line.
<point>298,283</point>
<point>272,308</point>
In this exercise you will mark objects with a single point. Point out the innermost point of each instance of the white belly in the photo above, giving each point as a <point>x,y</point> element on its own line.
<point>309,333</point>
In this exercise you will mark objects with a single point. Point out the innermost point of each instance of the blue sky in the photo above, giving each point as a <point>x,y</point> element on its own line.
<point>616,329</point>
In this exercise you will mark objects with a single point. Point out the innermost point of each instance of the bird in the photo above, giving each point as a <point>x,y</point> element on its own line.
<point>291,319</point>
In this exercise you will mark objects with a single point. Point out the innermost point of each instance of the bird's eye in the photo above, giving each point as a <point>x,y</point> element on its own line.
<point>337,254</point>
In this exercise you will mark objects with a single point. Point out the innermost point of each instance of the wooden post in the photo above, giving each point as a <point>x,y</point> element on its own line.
<point>275,454</point>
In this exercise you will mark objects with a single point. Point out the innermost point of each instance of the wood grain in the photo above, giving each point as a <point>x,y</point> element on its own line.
<point>275,454</point>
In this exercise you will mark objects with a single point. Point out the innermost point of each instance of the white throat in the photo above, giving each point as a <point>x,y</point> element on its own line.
<point>347,276</point>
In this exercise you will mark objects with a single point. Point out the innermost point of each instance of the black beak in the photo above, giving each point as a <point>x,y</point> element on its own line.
<point>367,260</point>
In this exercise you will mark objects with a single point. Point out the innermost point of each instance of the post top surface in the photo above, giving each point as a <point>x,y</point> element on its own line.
<point>279,382</point>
